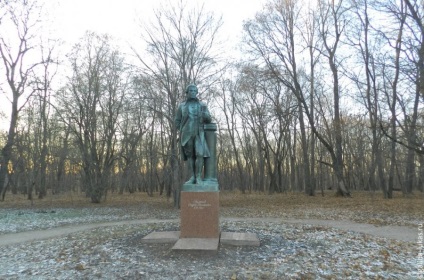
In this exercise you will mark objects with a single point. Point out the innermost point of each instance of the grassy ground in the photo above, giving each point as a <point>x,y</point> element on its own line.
<point>363,201</point>
<point>307,251</point>
<point>362,207</point>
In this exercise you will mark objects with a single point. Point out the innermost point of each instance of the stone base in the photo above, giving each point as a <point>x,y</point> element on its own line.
<point>197,244</point>
<point>201,245</point>
<point>199,215</point>
<point>240,239</point>
<point>161,237</point>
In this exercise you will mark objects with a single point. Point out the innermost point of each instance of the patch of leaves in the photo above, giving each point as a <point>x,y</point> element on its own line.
<point>287,251</point>
<point>363,207</point>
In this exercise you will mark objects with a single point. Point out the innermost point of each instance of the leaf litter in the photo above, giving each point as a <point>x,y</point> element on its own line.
<point>287,251</point>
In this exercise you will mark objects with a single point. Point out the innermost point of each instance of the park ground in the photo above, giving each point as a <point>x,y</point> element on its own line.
<point>302,237</point>
<point>362,207</point>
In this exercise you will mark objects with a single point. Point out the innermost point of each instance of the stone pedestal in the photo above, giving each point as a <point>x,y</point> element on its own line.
<point>199,214</point>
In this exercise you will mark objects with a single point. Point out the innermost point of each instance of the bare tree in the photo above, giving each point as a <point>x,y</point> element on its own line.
<point>332,26</point>
<point>228,106</point>
<point>92,102</point>
<point>364,39</point>
<point>310,37</point>
<point>274,36</point>
<point>250,105</point>
<point>44,90</point>
<point>19,25</point>
<point>135,123</point>
<point>403,84</point>
<point>391,81</point>
<point>416,58</point>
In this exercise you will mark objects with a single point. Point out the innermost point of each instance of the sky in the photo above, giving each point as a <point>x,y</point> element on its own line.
<point>120,18</point>
<point>70,19</point>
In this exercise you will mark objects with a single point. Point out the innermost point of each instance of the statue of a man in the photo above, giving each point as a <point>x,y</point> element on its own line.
<point>191,115</point>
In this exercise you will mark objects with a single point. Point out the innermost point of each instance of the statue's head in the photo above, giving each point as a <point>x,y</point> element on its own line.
<point>191,91</point>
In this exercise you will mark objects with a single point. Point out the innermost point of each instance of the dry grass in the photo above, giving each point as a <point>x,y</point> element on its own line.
<point>363,201</point>
<point>75,200</point>
<point>360,201</point>
<point>285,248</point>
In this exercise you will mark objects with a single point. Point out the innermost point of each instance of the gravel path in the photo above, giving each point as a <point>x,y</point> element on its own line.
<point>401,233</point>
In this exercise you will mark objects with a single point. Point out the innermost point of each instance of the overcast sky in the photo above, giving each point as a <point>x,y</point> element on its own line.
<point>120,17</point>
<point>70,19</point>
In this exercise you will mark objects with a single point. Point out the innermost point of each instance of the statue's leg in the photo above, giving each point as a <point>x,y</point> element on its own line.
<point>191,168</point>
<point>199,153</point>
<point>199,169</point>
<point>191,160</point>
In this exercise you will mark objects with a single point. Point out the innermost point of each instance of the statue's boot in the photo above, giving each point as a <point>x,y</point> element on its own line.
<point>191,165</point>
<point>192,180</point>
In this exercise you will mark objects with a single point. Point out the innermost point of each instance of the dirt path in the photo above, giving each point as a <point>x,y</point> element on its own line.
<point>401,233</point>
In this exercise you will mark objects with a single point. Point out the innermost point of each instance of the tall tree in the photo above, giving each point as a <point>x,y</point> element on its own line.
<point>391,80</point>
<point>229,109</point>
<point>331,28</point>
<point>367,45</point>
<point>93,101</point>
<point>274,37</point>
<point>407,74</point>
<point>416,58</point>
<point>135,122</point>
<point>310,37</point>
<point>20,20</point>
<point>43,91</point>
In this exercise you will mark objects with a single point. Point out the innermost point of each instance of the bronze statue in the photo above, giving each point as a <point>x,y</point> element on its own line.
<point>191,116</point>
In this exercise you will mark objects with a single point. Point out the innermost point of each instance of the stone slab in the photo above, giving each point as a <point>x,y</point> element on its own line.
<point>197,244</point>
<point>161,237</point>
<point>199,215</point>
<point>240,239</point>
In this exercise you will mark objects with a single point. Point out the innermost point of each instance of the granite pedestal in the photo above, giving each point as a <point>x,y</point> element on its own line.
<point>199,214</point>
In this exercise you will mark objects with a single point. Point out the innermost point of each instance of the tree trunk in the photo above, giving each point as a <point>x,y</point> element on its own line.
<point>7,149</point>
<point>338,156</point>
<point>309,190</point>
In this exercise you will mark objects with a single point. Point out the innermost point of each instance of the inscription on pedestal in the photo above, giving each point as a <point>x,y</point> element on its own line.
<point>199,204</point>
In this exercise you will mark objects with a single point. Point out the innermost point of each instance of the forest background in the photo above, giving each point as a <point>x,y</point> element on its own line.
<point>323,96</point>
